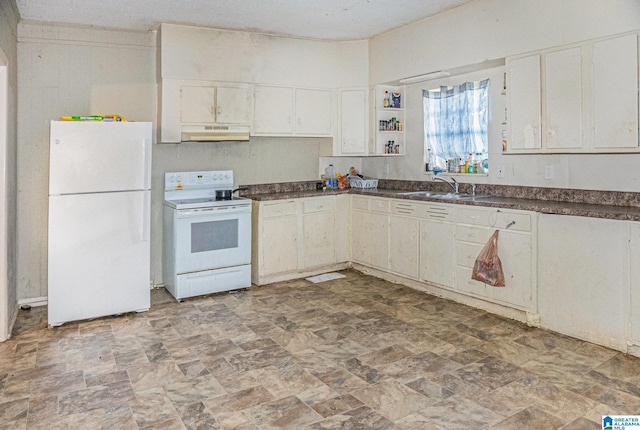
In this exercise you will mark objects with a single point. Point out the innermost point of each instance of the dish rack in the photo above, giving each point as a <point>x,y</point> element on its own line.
<point>357,182</point>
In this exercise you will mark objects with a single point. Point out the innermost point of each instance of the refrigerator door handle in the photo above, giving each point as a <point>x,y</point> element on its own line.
<point>146,216</point>
<point>146,148</point>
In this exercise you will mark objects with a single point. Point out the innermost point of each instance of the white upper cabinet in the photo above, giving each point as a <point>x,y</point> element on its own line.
<point>615,94</point>
<point>523,88</point>
<point>272,110</point>
<point>202,103</point>
<point>589,97</point>
<point>563,99</point>
<point>219,105</point>
<point>282,111</point>
<point>353,136</point>
<point>313,112</point>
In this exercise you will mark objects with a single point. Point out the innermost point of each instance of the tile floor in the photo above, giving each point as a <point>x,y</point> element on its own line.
<point>353,353</point>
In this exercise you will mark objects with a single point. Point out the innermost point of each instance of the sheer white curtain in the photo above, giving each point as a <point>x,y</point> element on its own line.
<point>455,121</point>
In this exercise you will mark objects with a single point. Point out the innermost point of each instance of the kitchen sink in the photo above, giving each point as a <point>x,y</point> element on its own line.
<point>422,193</point>
<point>453,196</point>
<point>443,196</point>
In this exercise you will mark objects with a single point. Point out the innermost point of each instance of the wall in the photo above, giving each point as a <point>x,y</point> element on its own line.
<point>75,70</point>
<point>200,53</point>
<point>8,59</point>
<point>69,71</point>
<point>492,29</point>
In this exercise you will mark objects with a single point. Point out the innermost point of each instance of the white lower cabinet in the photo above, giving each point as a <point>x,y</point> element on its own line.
<point>517,250</point>
<point>404,238</point>
<point>439,243</point>
<point>277,226</point>
<point>437,246</point>
<point>370,231</point>
<point>294,237</point>
<point>319,231</point>
<point>582,271</point>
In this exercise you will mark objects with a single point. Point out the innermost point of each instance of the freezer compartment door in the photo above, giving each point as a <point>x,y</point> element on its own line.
<point>99,255</point>
<point>88,157</point>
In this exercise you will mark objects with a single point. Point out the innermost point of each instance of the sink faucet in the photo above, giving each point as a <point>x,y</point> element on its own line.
<point>455,186</point>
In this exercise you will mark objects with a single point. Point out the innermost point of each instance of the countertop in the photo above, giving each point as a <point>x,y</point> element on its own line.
<point>609,209</point>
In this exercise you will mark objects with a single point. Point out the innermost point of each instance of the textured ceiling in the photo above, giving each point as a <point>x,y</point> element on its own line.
<point>319,19</point>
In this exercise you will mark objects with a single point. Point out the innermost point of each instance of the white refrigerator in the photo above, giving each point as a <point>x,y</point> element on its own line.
<point>99,219</point>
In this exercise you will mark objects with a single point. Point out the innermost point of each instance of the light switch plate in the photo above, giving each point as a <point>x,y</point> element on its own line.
<point>500,172</point>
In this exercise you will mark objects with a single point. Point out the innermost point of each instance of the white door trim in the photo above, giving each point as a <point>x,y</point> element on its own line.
<point>5,312</point>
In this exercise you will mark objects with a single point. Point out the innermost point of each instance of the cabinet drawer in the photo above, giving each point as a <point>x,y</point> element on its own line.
<point>496,218</point>
<point>468,285</point>
<point>379,205</point>
<point>473,234</point>
<point>401,207</point>
<point>437,212</point>
<point>510,220</point>
<point>275,209</point>
<point>358,202</point>
<point>319,204</point>
<point>466,253</point>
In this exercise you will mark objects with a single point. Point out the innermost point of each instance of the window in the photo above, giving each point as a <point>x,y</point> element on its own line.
<point>455,122</point>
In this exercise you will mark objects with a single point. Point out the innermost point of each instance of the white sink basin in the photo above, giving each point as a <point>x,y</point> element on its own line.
<point>422,193</point>
<point>441,195</point>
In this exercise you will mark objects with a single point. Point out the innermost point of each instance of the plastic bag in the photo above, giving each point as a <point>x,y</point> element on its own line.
<point>488,268</point>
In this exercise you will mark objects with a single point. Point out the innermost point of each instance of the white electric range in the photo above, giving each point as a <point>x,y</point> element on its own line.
<point>207,234</point>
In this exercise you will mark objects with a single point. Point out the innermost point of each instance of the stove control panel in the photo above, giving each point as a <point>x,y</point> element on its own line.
<point>215,179</point>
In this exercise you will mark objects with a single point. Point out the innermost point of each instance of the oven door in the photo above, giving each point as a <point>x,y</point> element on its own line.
<point>211,238</point>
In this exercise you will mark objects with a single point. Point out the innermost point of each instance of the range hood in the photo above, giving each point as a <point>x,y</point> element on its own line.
<point>214,133</point>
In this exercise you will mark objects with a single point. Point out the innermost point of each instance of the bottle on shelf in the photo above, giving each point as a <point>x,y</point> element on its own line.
<point>385,101</point>
<point>470,163</point>
<point>477,163</point>
<point>395,100</point>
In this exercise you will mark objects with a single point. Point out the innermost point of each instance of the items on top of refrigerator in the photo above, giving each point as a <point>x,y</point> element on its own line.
<point>105,118</point>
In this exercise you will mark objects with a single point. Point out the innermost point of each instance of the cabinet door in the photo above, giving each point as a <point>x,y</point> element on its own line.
<point>563,100</point>
<point>581,277</point>
<point>319,239</point>
<point>515,252</point>
<point>313,112</point>
<point>523,90</point>
<point>404,234</point>
<point>370,239</point>
<point>354,116</point>
<point>197,104</point>
<point>272,110</point>
<point>437,253</point>
<point>232,105</point>
<point>281,233</point>
<point>615,93</point>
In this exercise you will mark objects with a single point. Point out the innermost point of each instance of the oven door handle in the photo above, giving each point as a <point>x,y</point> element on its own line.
<point>195,213</point>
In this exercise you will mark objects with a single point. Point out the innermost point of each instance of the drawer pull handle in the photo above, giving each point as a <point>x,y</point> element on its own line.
<point>510,224</point>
